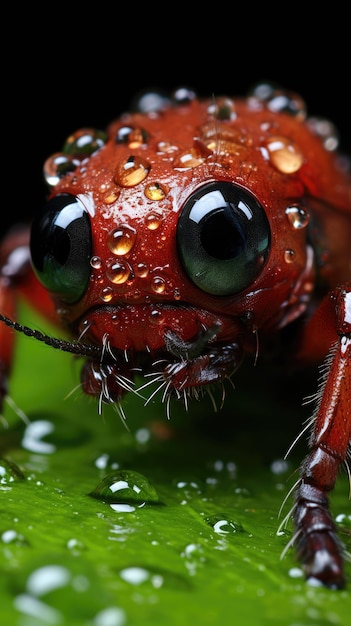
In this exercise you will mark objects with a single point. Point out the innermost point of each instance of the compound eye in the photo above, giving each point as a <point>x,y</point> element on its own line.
<point>223,238</point>
<point>61,246</point>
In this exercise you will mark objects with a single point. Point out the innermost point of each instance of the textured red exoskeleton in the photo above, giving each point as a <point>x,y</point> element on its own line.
<point>172,242</point>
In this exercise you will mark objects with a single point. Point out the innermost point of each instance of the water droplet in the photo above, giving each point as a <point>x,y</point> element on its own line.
<point>133,137</point>
<point>75,545</point>
<point>284,532</point>
<point>158,284</point>
<point>295,572</point>
<point>37,610</point>
<point>134,575</point>
<point>9,472</point>
<point>111,196</point>
<point>326,131</point>
<point>229,467</point>
<point>194,557</point>
<point>176,294</point>
<point>142,270</point>
<point>119,273</point>
<point>262,91</point>
<point>242,491</point>
<point>289,256</point>
<point>279,466</point>
<point>126,490</point>
<point>111,616</point>
<point>131,171</point>
<point>183,95</point>
<point>192,548</point>
<point>95,262</point>
<point>218,465</point>
<point>47,578</point>
<point>297,216</point>
<point>156,317</point>
<point>102,461</point>
<point>34,434</point>
<point>13,537</point>
<point>106,294</point>
<point>224,525</point>
<point>223,146</point>
<point>123,134</point>
<point>166,146</point>
<point>143,435</point>
<point>190,487</point>
<point>188,159</point>
<point>98,280</point>
<point>122,239</point>
<point>150,101</point>
<point>57,166</point>
<point>284,154</point>
<point>344,519</point>
<point>155,191</point>
<point>84,142</point>
<point>153,220</point>
<point>278,100</point>
<point>222,109</point>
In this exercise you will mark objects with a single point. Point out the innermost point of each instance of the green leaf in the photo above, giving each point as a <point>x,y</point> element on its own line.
<point>153,521</point>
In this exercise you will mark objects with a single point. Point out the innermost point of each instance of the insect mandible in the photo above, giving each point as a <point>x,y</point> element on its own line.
<point>181,238</point>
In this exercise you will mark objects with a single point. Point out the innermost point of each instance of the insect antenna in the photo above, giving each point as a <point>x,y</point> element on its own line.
<point>80,349</point>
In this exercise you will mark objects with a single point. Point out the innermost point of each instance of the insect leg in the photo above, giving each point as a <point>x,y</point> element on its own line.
<point>318,546</point>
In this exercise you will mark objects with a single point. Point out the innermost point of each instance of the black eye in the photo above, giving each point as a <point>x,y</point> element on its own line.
<point>223,238</point>
<point>61,247</point>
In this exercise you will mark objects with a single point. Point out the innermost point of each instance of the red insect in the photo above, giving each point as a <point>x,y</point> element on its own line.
<point>183,237</point>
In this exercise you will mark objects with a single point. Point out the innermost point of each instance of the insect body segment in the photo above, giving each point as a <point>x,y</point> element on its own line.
<point>181,236</point>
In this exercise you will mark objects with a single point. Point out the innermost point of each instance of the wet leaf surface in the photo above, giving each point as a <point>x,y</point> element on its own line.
<point>154,521</point>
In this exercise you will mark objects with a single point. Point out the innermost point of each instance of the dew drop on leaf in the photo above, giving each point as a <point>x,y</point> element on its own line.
<point>126,489</point>
<point>9,472</point>
<point>224,525</point>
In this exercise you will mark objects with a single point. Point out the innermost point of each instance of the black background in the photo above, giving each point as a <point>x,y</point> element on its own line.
<point>61,71</point>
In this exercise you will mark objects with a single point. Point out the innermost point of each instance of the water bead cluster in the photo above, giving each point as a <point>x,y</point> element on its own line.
<point>218,139</point>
